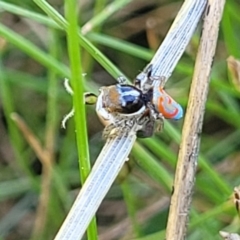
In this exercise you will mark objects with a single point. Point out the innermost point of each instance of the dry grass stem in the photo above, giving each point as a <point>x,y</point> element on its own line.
<point>46,160</point>
<point>30,137</point>
<point>189,149</point>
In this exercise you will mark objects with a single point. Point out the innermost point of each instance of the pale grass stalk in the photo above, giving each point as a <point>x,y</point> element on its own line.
<point>189,148</point>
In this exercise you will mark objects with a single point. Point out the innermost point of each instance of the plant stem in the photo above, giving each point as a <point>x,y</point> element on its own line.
<point>189,149</point>
<point>78,98</point>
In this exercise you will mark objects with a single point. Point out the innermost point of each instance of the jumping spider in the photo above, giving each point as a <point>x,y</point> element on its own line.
<point>140,108</point>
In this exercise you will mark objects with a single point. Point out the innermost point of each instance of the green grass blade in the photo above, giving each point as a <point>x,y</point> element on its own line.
<point>103,60</point>
<point>33,51</point>
<point>152,167</point>
<point>15,137</point>
<point>78,100</point>
<point>228,32</point>
<point>121,45</point>
<point>28,14</point>
<point>100,18</point>
<point>52,108</point>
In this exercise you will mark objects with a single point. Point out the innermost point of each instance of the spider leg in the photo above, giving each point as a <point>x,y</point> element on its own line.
<point>89,98</point>
<point>68,116</point>
<point>147,129</point>
<point>156,117</point>
<point>122,80</point>
<point>67,86</point>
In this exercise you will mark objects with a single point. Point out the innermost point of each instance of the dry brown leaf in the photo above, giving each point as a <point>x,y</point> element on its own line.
<point>234,69</point>
<point>237,198</point>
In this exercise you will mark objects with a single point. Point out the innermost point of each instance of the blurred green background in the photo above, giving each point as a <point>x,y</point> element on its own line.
<point>37,189</point>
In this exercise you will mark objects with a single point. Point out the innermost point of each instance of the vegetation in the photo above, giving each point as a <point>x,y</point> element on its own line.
<point>39,170</point>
